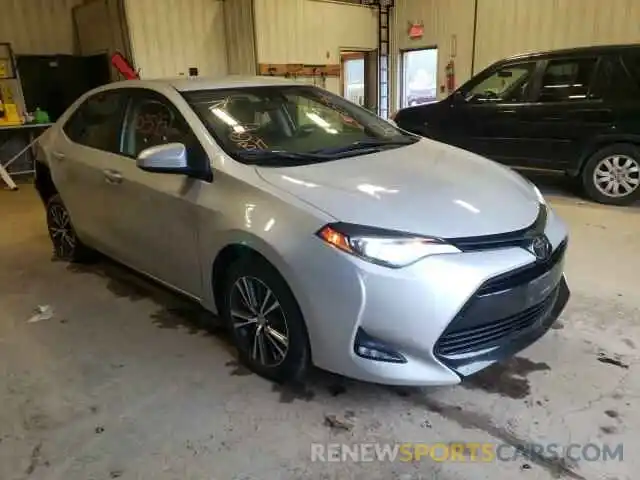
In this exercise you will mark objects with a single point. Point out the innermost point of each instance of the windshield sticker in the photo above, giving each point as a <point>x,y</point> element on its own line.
<point>247,141</point>
<point>345,116</point>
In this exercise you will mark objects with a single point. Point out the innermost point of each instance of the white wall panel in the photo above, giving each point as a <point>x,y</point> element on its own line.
<point>312,32</point>
<point>38,27</point>
<point>240,37</point>
<point>508,27</point>
<point>169,36</point>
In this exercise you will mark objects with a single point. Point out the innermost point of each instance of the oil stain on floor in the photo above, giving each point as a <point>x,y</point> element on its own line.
<point>508,379</point>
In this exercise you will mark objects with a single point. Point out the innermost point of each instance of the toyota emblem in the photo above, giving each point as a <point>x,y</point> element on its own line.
<point>540,247</point>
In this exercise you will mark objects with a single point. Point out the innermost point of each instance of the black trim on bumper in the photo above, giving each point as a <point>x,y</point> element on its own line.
<point>506,314</point>
<point>518,238</point>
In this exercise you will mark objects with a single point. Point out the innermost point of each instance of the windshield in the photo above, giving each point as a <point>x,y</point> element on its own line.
<point>282,124</point>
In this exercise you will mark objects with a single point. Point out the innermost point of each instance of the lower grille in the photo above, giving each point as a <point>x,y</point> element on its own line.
<point>458,342</point>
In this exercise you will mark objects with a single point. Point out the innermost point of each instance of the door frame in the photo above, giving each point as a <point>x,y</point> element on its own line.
<point>345,56</point>
<point>401,64</point>
<point>348,53</point>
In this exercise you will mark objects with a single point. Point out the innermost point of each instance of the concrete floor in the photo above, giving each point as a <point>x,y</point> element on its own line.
<point>122,381</point>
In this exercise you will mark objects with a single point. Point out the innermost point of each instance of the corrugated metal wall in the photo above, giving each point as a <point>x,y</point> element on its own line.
<point>448,25</point>
<point>101,29</point>
<point>170,36</point>
<point>507,27</point>
<point>240,37</point>
<point>38,27</point>
<point>311,31</point>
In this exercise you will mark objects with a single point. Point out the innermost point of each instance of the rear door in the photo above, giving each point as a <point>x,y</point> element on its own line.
<point>569,108</point>
<point>79,158</point>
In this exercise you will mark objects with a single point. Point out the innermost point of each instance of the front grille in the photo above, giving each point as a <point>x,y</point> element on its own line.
<point>456,342</point>
<point>518,238</point>
<point>524,274</point>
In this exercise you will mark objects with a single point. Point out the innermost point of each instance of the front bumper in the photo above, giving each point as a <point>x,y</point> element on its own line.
<point>448,316</point>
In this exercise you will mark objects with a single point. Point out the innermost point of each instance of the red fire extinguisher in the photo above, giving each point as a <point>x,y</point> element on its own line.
<point>450,73</point>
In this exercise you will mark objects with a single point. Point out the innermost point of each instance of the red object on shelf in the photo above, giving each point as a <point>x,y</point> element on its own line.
<point>124,67</point>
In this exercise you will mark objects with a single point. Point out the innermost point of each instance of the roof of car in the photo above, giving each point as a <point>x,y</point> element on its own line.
<point>183,84</point>
<point>593,49</point>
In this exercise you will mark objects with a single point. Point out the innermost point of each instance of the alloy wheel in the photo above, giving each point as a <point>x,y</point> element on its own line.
<point>617,176</point>
<point>259,321</point>
<point>61,232</point>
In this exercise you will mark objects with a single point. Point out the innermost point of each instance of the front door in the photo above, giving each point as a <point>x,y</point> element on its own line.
<point>486,114</point>
<point>154,216</point>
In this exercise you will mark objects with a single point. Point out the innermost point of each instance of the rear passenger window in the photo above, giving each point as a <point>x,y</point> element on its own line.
<point>567,80</point>
<point>98,121</point>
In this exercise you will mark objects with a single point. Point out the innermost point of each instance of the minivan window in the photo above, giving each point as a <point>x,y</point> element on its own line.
<point>508,84</point>
<point>97,122</point>
<point>567,80</point>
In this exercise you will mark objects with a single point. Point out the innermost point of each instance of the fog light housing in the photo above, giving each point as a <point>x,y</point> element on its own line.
<point>366,346</point>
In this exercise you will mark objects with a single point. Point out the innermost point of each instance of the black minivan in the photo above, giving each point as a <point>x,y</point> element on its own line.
<point>575,111</point>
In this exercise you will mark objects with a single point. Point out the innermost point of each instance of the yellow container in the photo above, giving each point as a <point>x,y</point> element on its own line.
<point>11,115</point>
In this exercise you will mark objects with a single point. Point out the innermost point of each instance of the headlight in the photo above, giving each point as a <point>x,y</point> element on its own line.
<point>390,249</point>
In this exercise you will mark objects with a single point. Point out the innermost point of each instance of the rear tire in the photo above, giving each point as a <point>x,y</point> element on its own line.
<point>612,175</point>
<point>66,244</point>
<point>265,321</point>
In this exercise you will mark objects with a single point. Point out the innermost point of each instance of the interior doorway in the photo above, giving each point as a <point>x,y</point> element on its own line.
<point>359,77</point>
<point>419,76</point>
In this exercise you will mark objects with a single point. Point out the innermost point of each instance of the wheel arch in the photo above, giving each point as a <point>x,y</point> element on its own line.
<point>599,143</point>
<point>243,244</point>
<point>44,184</point>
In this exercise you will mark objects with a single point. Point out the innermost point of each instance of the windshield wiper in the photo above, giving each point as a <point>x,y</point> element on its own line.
<point>373,144</point>
<point>259,155</point>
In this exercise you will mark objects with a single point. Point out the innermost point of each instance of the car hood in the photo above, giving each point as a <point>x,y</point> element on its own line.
<point>427,188</point>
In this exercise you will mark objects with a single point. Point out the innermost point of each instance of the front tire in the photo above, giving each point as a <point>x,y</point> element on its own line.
<point>612,175</point>
<point>66,244</point>
<point>265,321</point>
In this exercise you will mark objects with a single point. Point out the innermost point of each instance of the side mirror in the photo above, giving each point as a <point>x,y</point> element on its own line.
<point>168,158</point>
<point>458,98</point>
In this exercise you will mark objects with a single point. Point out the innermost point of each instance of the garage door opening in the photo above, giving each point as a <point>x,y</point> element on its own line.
<point>359,77</point>
<point>419,76</point>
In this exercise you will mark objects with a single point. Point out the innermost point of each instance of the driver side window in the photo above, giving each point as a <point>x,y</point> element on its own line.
<point>508,84</point>
<point>151,121</point>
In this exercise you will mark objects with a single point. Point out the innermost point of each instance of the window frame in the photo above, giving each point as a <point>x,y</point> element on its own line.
<point>488,72</point>
<point>198,160</point>
<point>542,68</point>
<point>120,122</point>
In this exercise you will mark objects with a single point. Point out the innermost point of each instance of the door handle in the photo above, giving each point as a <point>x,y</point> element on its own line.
<point>113,177</point>
<point>59,155</point>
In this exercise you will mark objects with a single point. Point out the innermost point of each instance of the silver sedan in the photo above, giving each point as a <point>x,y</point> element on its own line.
<point>322,234</point>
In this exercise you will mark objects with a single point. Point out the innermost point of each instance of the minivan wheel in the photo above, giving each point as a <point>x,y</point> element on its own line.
<point>66,244</point>
<point>265,321</point>
<point>612,175</point>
